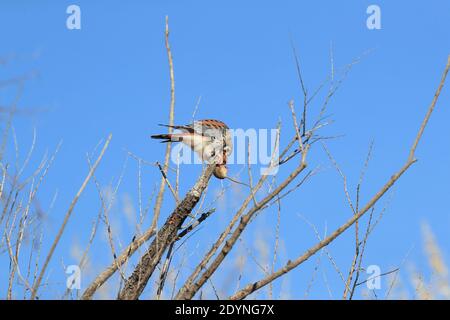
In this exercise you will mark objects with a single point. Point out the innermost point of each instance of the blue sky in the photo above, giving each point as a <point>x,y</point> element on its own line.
<point>112,77</point>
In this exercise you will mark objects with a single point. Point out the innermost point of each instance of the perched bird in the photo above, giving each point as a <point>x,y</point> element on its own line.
<point>210,139</point>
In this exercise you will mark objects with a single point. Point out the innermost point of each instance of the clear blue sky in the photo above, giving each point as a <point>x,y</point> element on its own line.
<point>112,77</point>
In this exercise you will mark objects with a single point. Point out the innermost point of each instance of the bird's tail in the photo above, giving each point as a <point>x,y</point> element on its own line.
<point>168,137</point>
<point>176,127</point>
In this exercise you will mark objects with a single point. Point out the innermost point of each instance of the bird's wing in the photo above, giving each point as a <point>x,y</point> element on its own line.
<point>208,127</point>
<point>200,126</point>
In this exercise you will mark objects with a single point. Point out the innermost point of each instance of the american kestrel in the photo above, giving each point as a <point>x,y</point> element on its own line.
<point>210,139</point>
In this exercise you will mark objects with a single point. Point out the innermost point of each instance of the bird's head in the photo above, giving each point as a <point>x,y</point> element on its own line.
<point>220,171</point>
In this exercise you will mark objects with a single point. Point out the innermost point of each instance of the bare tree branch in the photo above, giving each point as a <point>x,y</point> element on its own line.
<point>67,216</point>
<point>135,284</point>
<point>189,290</point>
<point>136,243</point>
<point>250,288</point>
<point>160,196</point>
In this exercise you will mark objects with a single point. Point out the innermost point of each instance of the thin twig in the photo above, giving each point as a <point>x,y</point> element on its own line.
<point>67,216</point>
<point>159,198</point>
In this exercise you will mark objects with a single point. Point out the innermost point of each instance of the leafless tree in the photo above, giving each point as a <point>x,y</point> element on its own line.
<point>157,244</point>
